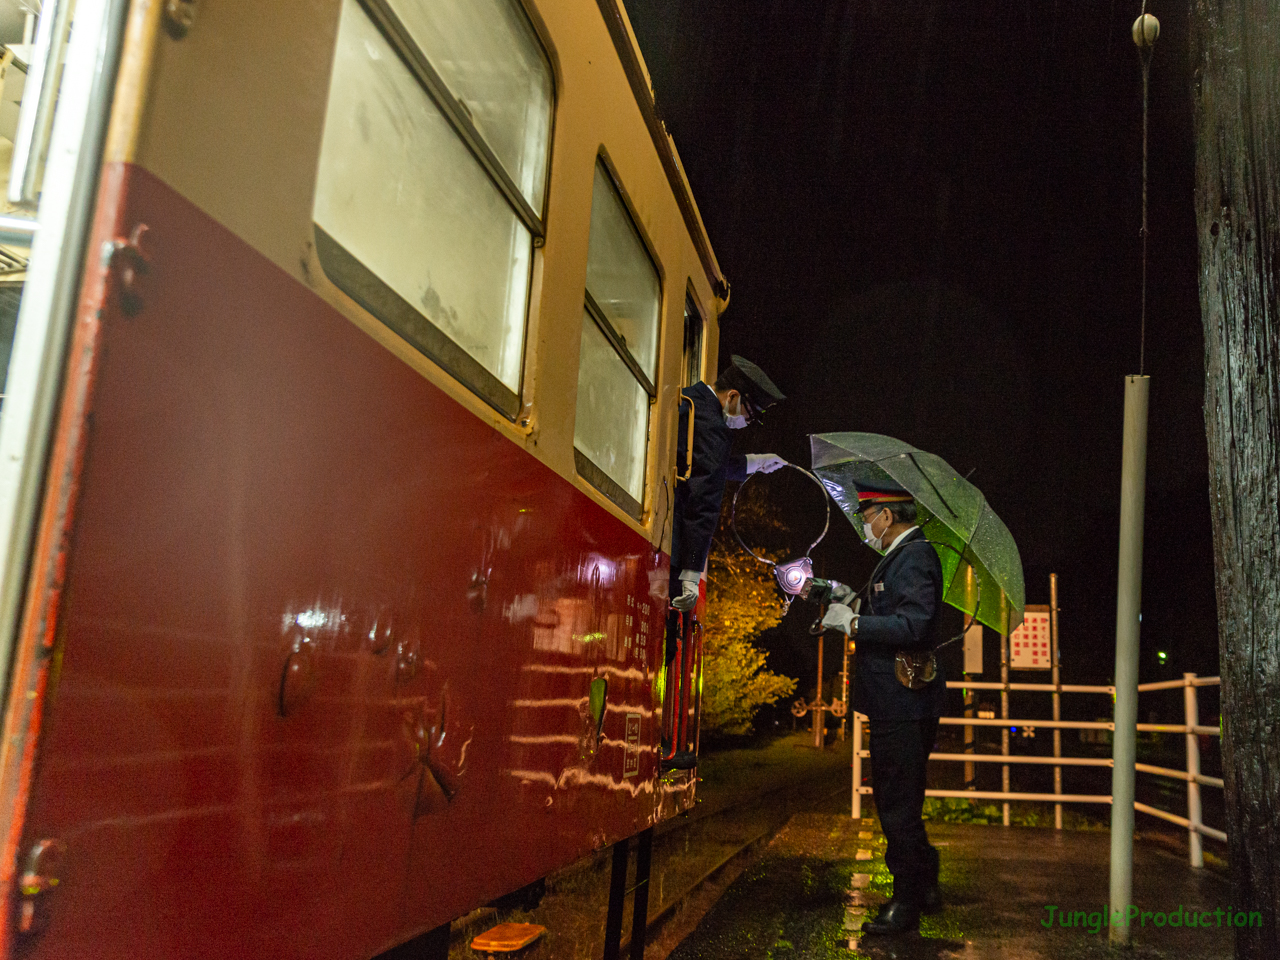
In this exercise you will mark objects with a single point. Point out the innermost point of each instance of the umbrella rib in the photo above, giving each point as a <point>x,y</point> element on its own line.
<point>909,454</point>
<point>932,484</point>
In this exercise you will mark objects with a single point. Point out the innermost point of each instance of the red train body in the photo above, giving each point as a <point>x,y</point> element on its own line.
<point>317,652</point>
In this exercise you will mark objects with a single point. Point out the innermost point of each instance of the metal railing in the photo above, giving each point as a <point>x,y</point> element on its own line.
<point>1191,728</point>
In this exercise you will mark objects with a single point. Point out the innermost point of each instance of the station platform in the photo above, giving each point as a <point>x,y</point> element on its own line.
<point>807,896</point>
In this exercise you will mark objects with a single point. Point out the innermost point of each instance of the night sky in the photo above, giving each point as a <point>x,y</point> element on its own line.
<point>929,214</point>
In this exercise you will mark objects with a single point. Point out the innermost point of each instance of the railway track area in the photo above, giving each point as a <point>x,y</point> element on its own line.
<point>745,798</point>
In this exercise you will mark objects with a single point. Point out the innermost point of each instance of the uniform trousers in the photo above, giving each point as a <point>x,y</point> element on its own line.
<point>899,753</point>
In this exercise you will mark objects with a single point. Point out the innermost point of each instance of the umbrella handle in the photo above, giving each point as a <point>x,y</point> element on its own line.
<point>733,516</point>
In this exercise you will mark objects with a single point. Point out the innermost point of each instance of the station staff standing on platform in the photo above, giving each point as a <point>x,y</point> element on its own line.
<point>897,636</point>
<point>741,392</point>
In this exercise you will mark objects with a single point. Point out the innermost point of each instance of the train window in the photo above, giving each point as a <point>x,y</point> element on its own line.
<point>612,419</point>
<point>36,46</point>
<point>419,217</point>
<point>10,298</point>
<point>492,63</point>
<point>621,277</point>
<point>618,363</point>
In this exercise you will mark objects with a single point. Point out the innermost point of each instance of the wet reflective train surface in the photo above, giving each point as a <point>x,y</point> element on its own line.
<point>339,436</point>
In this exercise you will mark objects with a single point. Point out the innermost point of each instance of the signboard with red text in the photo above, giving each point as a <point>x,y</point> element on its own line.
<point>1030,646</point>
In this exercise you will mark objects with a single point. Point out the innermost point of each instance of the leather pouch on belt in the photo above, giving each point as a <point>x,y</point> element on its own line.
<point>916,670</point>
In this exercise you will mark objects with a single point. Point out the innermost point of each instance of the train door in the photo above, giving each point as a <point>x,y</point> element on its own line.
<point>694,330</point>
<point>57,81</point>
<point>683,685</point>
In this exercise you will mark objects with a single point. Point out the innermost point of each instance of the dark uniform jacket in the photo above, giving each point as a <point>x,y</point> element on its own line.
<point>698,499</point>
<point>905,598</point>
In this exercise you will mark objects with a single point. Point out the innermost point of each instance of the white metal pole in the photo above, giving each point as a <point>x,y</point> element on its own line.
<point>857,766</point>
<point>1191,702</point>
<point>1133,481</point>
<point>1004,715</point>
<point>1057,694</point>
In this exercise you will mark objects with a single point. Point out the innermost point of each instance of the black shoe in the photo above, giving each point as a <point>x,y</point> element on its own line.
<point>896,916</point>
<point>681,760</point>
<point>932,901</point>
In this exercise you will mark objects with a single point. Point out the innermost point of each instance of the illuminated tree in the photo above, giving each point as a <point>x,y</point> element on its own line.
<point>742,603</point>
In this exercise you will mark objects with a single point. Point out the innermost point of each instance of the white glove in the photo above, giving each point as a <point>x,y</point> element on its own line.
<point>764,462</point>
<point>842,618</point>
<point>688,598</point>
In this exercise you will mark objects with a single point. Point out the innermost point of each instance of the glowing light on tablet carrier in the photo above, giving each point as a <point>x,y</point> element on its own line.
<point>792,576</point>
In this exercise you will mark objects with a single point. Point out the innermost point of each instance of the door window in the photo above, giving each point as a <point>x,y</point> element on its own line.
<point>693,326</point>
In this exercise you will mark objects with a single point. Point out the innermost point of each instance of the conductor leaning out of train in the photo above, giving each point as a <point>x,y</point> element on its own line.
<point>741,393</point>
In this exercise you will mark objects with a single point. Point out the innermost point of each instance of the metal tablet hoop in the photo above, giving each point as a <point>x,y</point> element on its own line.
<point>791,575</point>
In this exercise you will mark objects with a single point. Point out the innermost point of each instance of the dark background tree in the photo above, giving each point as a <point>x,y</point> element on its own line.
<point>929,214</point>
<point>1237,118</point>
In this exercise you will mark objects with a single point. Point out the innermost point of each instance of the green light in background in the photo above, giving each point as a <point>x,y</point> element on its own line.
<point>1162,657</point>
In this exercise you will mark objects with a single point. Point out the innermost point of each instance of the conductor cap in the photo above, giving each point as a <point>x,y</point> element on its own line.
<point>750,381</point>
<point>880,493</point>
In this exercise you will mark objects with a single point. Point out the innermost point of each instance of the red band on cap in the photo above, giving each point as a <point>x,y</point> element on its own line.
<point>873,497</point>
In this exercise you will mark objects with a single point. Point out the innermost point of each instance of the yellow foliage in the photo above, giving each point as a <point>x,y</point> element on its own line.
<point>742,602</point>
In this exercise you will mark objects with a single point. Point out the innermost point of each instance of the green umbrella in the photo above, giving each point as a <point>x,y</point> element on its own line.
<point>981,568</point>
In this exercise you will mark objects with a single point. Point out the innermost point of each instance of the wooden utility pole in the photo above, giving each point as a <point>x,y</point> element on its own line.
<point>819,714</point>
<point>1235,47</point>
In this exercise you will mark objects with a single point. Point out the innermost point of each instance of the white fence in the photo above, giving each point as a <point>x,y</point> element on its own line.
<point>1190,728</point>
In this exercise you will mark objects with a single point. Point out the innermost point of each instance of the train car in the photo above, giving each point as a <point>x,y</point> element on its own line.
<point>336,465</point>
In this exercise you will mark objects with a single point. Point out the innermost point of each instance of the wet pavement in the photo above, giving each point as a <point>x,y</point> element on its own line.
<point>824,873</point>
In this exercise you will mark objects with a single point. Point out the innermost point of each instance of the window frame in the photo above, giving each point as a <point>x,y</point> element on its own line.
<point>397,34</point>
<point>587,468</point>
<point>596,476</point>
<point>358,281</point>
<point>620,345</point>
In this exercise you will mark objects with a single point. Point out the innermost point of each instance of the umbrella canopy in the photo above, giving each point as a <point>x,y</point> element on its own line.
<point>981,568</point>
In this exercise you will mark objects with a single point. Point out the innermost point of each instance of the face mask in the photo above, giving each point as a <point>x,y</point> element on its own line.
<point>870,539</point>
<point>735,421</point>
